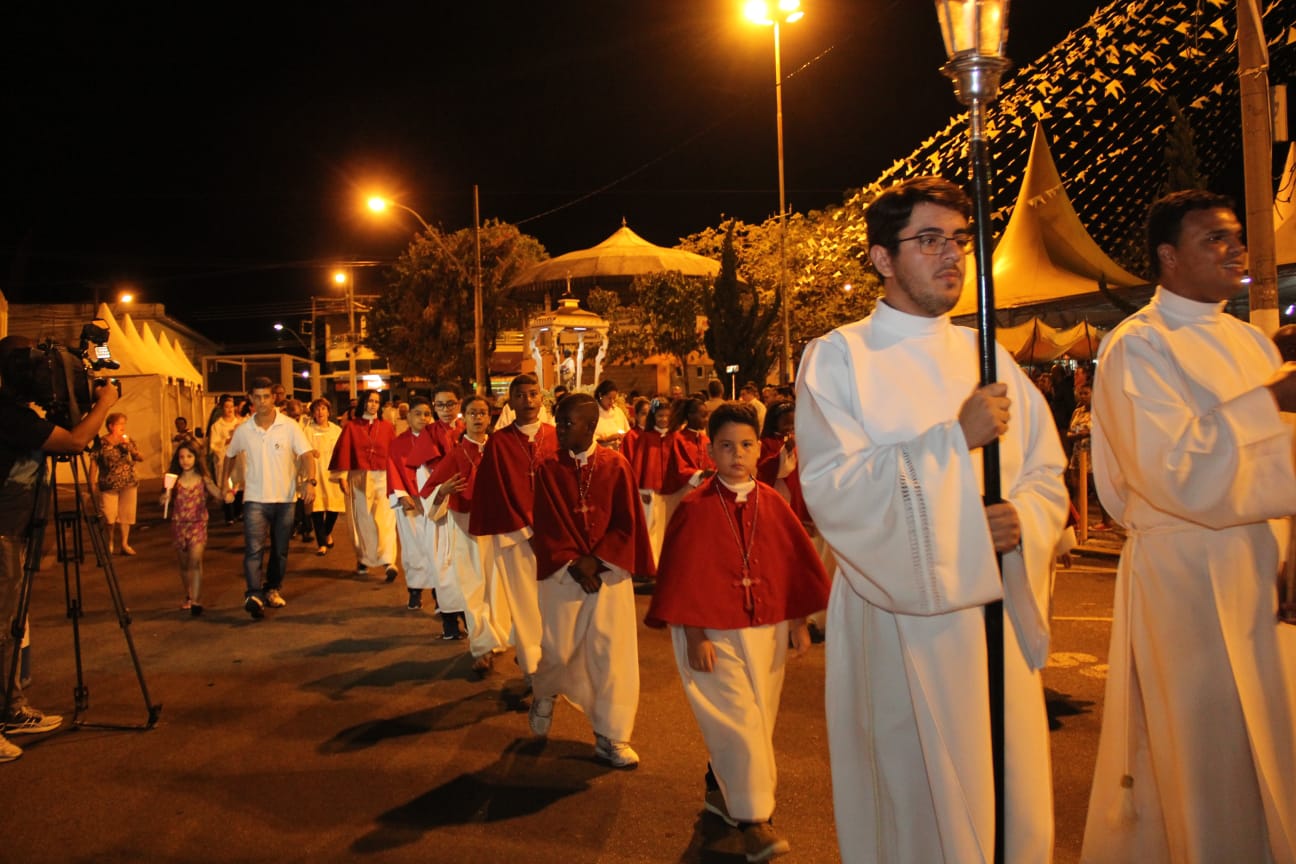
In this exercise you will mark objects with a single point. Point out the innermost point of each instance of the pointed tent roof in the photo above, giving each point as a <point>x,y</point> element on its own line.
<point>1045,253</point>
<point>624,253</point>
<point>119,345</point>
<point>1285,213</point>
<point>162,363</point>
<point>143,359</point>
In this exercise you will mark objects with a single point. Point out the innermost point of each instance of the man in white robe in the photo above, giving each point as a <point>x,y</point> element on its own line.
<point>889,441</point>
<point>1197,756</point>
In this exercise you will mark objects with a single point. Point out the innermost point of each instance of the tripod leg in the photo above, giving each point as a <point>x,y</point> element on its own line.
<point>95,527</point>
<point>27,559</point>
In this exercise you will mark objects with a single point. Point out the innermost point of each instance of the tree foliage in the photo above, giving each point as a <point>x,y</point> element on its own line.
<point>424,320</point>
<point>829,280</point>
<point>738,327</point>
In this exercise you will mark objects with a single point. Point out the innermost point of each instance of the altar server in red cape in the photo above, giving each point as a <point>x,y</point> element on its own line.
<point>469,556</point>
<point>778,468</point>
<point>361,451</point>
<point>737,577</point>
<point>650,449</point>
<point>502,498</point>
<point>688,459</point>
<point>410,460</point>
<point>589,541</point>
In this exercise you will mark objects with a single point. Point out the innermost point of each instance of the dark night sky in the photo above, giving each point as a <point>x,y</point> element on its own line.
<point>205,155</point>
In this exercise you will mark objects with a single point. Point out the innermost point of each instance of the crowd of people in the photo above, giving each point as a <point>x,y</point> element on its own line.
<point>850,509</point>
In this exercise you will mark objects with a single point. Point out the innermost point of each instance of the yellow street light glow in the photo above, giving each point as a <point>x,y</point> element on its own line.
<point>766,13</point>
<point>126,297</point>
<point>340,277</point>
<point>377,203</point>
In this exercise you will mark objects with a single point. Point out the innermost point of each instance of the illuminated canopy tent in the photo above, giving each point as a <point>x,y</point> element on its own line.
<point>623,255</point>
<point>1045,253</point>
<point>1285,213</point>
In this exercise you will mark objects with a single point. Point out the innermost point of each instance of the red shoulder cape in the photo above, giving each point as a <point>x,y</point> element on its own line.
<point>406,454</point>
<point>688,455</point>
<point>699,577</point>
<point>615,531</point>
<point>650,451</point>
<point>503,493</point>
<point>463,459</point>
<point>363,446</point>
<point>767,472</point>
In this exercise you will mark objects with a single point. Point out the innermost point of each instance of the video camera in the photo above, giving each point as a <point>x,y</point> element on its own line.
<point>61,379</point>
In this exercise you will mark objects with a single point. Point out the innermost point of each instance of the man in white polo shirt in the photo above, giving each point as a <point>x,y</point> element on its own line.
<point>279,462</point>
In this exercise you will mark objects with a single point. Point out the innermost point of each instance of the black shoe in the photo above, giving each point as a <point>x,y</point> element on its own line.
<point>392,573</point>
<point>415,599</point>
<point>195,609</point>
<point>254,607</point>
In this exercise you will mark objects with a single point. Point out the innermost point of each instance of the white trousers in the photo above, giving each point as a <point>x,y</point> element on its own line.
<point>654,521</point>
<point>468,558</point>
<point>736,705</point>
<point>513,595</point>
<point>372,521</point>
<point>590,650</point>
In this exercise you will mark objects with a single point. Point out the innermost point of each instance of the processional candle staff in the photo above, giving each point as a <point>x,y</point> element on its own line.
<point>974,32</point>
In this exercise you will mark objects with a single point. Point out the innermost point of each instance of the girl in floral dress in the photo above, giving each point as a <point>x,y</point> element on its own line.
<point>189,519</point>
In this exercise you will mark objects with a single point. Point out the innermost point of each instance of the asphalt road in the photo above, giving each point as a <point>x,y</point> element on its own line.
<point>341,728</point>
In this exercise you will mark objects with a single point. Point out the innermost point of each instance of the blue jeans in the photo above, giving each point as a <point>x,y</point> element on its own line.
<point>259,520</point>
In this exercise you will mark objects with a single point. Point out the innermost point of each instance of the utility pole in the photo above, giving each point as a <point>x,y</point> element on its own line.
<point>1257,162</point>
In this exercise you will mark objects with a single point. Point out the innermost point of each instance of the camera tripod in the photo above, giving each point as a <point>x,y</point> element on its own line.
<point>71,553</point>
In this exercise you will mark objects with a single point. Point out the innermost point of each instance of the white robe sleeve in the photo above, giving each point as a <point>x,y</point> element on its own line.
<point>904,519</point>
<point>1230,465</point>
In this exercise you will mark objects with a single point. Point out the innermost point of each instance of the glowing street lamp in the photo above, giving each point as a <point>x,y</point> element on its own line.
<point>974,32</point>
<point>280,328</point>
<point>774,13</point>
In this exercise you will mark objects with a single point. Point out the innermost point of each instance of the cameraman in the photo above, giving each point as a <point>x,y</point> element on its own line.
<point>25,439</point>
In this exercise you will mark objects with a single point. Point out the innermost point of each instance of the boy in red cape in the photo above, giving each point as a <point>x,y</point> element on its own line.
<point>589,541</point>
<point>469,556</point>
<point>737,577</point>
<point>501,510</point>
<point>410,460</point>
<point>650,449</point>
<point>688,461</point>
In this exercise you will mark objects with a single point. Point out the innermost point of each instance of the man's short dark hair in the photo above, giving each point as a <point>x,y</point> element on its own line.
<point>732,412</point>
<point>15,365</point>
<point>447,387</point>
<point>890,212</point>
<point>1166,215</point>
<point>261,383</point>
<point>521,381</point>
<point>715,389</point>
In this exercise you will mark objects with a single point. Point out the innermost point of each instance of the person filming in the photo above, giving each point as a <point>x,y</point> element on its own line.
<point>26,438</point>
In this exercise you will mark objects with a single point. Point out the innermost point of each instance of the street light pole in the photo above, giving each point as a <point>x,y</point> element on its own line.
<point>777,13</point>
<point>347,277</point>
<point>785,358</point>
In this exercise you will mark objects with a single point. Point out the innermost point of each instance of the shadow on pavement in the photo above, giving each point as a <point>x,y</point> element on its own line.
<point>522,782</point>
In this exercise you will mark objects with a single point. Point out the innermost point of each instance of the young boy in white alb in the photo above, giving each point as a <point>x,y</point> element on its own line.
<point>738,575</point>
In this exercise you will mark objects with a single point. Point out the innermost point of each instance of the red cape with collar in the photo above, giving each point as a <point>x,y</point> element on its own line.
<point>650,451</point>
<point>503,494</point>
<point>363,446</point>
<point>462,459</point>
<point>767,472</point>
<point>407,452</point>
<point>688,455</point>
<point>615,531</point>
<point>699,577</point>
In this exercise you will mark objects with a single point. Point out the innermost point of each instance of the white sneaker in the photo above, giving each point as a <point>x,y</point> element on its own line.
<point>26,720</point>
<point>618,754</point>
<point>541,715</point>
<point>8,750</point>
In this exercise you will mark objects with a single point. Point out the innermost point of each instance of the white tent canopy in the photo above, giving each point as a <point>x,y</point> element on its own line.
<point>625,253</point>
<point>1045,253</point>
